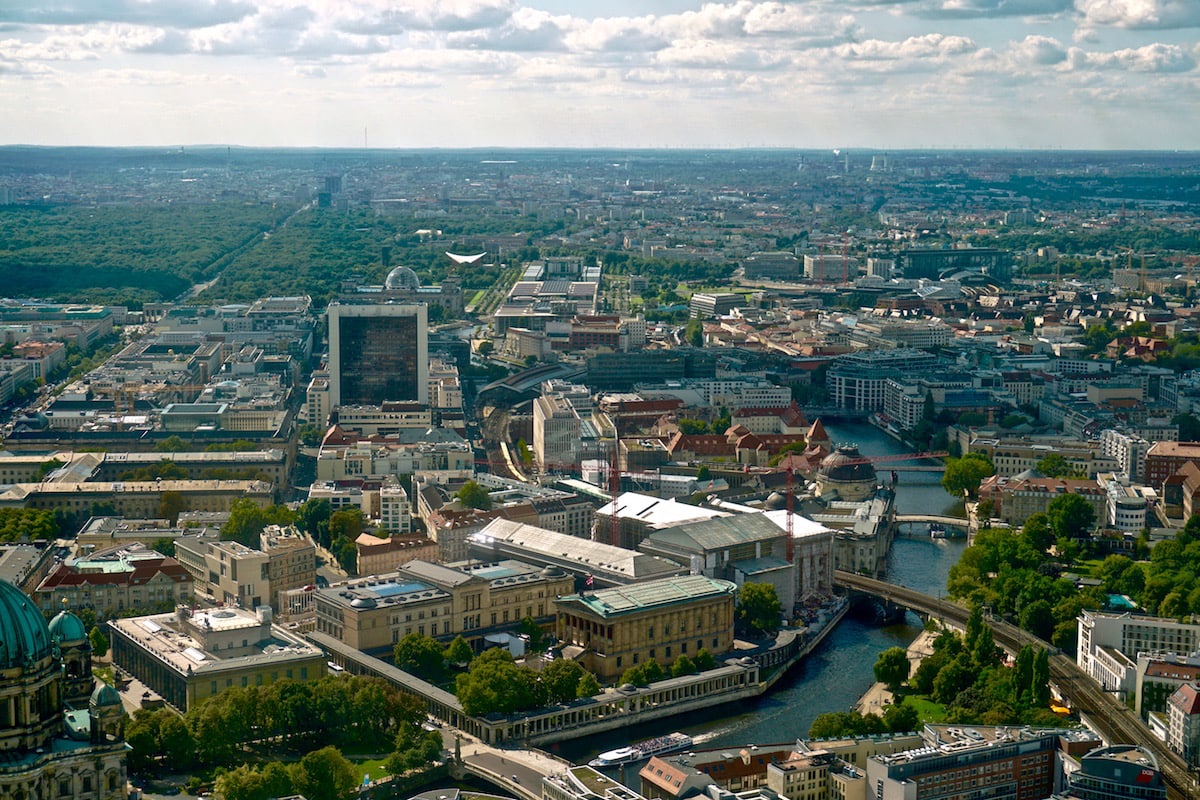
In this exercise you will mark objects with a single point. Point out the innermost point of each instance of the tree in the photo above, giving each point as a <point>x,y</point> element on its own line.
<point>473,495</point>
<point>99,642</point>
<point>1041,678</point>
<point>758,608</point>
<point>312,517</point>
<point>171,444</point>
<point>495,685</point>
<point>420,655</point>
<point>247,520</point>
<point>485,348</point>
<point>1189,427</point>
<point>1054,465</point>
<point>892,668</point>
<point>561,679</point>
<point>346,524</point>
<point>588,686</point>
<point>1070,516</point>
<point>458,652</point>
<point>683,666</point>
<point>1036,532</point>
<point>309,434</point>
<point>324,774</point>
<point>171,505</point>
<point>901,717</point>
<point>966,473</point>
<point>837,724</point>
<point>705,660</point>
<point>1038,619</point>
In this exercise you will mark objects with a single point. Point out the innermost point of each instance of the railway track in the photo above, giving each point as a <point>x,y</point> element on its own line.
<point>1105,713</point>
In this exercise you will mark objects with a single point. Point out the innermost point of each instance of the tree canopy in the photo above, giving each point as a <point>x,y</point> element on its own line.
<point>758,608</point>
<point>966,473</point>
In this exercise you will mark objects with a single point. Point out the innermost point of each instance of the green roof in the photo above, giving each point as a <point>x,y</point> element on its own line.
<point>24,636</point>
<point>651,594</point>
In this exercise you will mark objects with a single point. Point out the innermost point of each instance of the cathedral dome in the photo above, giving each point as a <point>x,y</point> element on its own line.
<point>846,464</point>
<point>402,278</point>
<point>66,627</point>
<point>24,636</point>
<point>105,695</point>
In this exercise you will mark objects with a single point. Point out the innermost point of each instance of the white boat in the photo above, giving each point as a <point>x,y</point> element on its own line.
<point>636,752</point>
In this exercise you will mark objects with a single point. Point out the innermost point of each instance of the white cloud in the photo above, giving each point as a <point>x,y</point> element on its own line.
<point>928,46</point>
<point>1158,58</point>
<point>1039,51</point>
<point>1140,14</point>
<point>432,15</point>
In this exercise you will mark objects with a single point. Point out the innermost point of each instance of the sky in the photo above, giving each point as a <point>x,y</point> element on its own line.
<point>884,74</point>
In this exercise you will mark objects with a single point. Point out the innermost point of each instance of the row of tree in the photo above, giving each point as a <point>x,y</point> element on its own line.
<point>348,711</point>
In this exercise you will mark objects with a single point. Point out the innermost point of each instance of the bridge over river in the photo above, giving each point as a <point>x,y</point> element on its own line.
<point>1102,712</point>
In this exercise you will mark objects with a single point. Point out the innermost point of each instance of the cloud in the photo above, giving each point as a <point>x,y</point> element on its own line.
<point>527,31</point>
<point>425,15</point>
<point>929,46</point>
<point>1042,51</point>
<point>1155,58</point>
<point>707,54</point>
<point>1140,14</point>
<point>165,13</point>
<point>617,34</point>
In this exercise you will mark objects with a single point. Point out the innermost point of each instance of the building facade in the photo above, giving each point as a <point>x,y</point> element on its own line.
<point>615,629</point>
<point>429,599</point>
<point>187,657</point>
<point>378,352</point>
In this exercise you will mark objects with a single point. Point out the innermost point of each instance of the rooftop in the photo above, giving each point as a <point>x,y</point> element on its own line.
<point>613,602</point>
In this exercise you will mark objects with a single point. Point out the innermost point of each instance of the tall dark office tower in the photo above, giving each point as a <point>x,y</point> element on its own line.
<point>378,353</point>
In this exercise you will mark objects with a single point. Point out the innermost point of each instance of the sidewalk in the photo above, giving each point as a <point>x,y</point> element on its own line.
<point>878,696</point>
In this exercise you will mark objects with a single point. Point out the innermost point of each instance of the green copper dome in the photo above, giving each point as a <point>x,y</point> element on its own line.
<point>105,695</point>
<point>66,627</point>
<point>24,636</point>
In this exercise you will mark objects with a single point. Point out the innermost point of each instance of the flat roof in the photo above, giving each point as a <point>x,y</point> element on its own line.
<point>651,594</point>
<point>167,639</point>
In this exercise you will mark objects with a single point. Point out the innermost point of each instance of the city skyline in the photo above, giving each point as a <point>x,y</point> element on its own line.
<point>1087,74</point>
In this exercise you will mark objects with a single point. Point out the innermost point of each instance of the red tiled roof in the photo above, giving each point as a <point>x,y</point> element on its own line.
<point>143,572</point>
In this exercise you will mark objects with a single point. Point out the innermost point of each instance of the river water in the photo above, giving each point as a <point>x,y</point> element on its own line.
<point>834,676</point>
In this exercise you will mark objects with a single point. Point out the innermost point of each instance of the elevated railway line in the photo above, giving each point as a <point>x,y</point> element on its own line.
<point>1102,712</point>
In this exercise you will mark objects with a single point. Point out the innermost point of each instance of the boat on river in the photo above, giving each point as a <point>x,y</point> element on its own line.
<point>636,752</point>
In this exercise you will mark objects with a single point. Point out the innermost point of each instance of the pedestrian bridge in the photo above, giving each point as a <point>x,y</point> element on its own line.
<point>951,522</point>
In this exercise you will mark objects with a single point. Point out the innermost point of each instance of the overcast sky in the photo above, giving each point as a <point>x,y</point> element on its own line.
<point>588,73</point>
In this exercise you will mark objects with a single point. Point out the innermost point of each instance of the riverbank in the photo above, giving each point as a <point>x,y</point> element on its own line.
<point>877,697</point>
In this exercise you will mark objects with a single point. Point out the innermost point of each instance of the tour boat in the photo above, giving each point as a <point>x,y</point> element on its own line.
<point>636,752</point>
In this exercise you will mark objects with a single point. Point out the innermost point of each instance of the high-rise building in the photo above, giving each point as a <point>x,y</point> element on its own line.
<point>378,353</point>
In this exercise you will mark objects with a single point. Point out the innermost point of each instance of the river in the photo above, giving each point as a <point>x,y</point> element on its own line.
<point>834,676</point>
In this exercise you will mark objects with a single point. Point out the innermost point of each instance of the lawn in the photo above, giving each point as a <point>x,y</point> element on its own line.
<point>368,765</point>
<point>927,710</point>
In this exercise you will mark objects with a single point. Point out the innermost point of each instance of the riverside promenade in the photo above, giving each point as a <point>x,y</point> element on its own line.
<point>877,697</point>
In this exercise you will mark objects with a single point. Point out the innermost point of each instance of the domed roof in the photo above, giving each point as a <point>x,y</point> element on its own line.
<point>105,695</point>
<point>66,627</point>
<point>845,464</point>
<point>775,501</point>
<point>24,636</point>
<point>402,278</point>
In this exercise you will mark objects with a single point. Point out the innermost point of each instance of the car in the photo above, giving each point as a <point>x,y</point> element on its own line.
<point>515,778</point>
